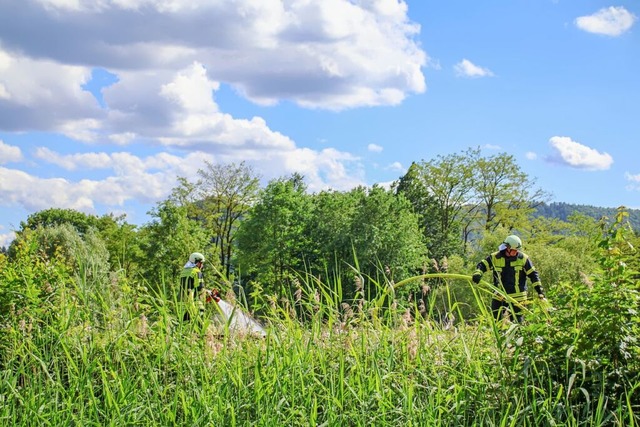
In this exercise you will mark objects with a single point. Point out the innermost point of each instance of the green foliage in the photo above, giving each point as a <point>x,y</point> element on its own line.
<point>89,334</point>
<point>506,193</point>
<point>28,282</point>
<point>273,240</point>
<point>385,236</point>
<point>225,195</point>
<point>331,235</point>
<point>55,216</point>
<point>118,236</point>
<point>339,367</point>
<point>593,333</point>
<point>121,240</point>
<point>441,191</point>
<point>167,243</point>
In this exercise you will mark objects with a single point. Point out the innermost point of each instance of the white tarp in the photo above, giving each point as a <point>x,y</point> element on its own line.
<point>238,321</point>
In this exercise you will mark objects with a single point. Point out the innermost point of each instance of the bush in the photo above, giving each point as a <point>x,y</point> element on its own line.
<point>592,336</point>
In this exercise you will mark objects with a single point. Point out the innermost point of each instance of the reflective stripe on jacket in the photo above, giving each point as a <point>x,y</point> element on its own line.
<point>510,273</point>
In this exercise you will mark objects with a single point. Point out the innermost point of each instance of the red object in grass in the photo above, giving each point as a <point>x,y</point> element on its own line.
<point>213,295</point>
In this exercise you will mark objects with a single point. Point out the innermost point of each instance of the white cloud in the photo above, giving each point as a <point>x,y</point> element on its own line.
<point>74,161</point>
<point>150,179</point>
<point>146,180</point>
<point>333,54</point>
<point>576,155</point>
<point>6,238</point>
<point>634,181</point>
<point>611,21</point>
<point>466,68</point>
<point>9,153</point>
<point>375,148</point>
<point>531,155</point>
<point>396,166</point>
<point>325,169</point>
<point>43,94</point>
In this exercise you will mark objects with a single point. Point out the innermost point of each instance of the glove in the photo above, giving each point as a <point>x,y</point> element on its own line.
<point>476,277</point>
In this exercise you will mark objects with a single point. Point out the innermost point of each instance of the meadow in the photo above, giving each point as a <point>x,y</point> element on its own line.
<point>83,344</point>
<point>103,353</point>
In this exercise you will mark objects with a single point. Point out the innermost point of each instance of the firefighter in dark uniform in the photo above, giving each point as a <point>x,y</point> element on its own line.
<point>510,268</point>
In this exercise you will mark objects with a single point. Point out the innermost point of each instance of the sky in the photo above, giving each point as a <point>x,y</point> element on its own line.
<point>104,103</point>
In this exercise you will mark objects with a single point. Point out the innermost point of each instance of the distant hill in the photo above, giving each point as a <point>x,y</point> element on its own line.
<point>563,210</point>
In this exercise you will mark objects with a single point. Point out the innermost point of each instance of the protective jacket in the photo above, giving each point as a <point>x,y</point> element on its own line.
<point>510,273</point>
<point>191,280</point>
<point>191,290</point>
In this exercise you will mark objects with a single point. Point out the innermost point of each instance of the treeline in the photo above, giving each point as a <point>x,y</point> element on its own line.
<point>444,213</point>
<point>563,211</point>
<point>260,239</point>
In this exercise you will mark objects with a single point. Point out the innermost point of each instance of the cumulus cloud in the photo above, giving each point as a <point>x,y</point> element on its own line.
<point>9,153</point>
<point>147,179</point>
<point>576,155</point>
<point>151,178</point>
<point>72,162</point>
<point>466,68</point>
<point>42,94</point>
<point>611,21</point>
<point>375,148</point>
<point>333,54</point>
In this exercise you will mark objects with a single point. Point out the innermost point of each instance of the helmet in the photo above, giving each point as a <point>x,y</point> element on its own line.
<point>513,242</point>
<point>196,257</point>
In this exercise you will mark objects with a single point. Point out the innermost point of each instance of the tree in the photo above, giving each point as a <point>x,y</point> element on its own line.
<point>426,207</point>
<point>122,241</point>
<point>168,240</point>
<point>330,229</point>
<point>225,193</point>
<point>273,239</point>
<point>385,235</point>
<point>56,216</point>
<point>120,238</point>
<point>506,194</point>
<point>444,188</point>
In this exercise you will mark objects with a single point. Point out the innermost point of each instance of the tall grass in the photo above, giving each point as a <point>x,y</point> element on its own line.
<point>108,353</point>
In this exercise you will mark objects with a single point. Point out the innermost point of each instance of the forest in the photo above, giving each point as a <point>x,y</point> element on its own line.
<point>366,297</point>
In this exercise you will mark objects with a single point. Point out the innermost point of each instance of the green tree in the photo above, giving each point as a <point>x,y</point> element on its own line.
<point>122,241</point>
<point>411,185</point>
<point>167,242</point>
<point>120,237</point>
<point>273,239</point>
<point>385,235</point>
<point>593,335</point>
<point>330,229</point>
<point>443,187</point>
<point>56,216</point>
<point>225,195</point>
<point>371,230</point>
<point>507,196</point>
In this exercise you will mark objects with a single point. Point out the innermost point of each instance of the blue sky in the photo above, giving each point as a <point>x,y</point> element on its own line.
<point>103,103</point>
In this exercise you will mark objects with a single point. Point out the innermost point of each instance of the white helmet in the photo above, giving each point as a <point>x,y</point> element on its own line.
<point>196,257</point>
<point>513,242</point>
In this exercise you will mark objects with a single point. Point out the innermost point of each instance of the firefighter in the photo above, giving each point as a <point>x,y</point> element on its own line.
<point>192,290</point>
<point>510,268</point>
